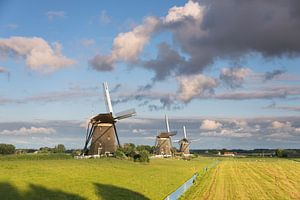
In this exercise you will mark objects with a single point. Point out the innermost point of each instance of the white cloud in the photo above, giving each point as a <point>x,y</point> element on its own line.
<point>234,77</point>
<point>233,133</point>
<point>128,45</point>
<point>210,125</point>
<point>280,125</point>
<point>240,123</point>
<point>226,133</point>
<point>28,131</point>
<point>39,55</point>
<point>195,85</point>
<point>55,14</point>
<point>139,131</point>
<point>190,9</point>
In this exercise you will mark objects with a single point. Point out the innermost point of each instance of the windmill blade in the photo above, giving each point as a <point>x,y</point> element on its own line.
<point>167,123</point>
<point>89,134</point>
<point>107,98</point>
<point>194,140</point>
<point>114,125</point>
<point>175,141</point>
<point>125,114</point>
<point>184,132</point>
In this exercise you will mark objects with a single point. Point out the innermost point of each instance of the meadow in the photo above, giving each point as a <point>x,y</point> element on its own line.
<point>62,177</point>
<point>249,178</point>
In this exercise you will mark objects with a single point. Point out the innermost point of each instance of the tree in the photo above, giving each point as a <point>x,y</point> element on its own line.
<point>144,147</point>
<point>281,153</point>
<point>7,149</point>
<point>45,150</point>
<point>60,148</point>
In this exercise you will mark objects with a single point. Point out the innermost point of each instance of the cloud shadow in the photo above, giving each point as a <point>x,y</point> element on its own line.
<point>111,192</point>
<point>35,192</point>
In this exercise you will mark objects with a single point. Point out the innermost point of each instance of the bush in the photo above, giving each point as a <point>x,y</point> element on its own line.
<point>7,149</point>
<point>120,154</point>
<point>129,149</point>
<point>137,154</point>
<point>144,156</point>
<point>76,152</point>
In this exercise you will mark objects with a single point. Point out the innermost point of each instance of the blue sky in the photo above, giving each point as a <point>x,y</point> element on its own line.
<point>212,69</point>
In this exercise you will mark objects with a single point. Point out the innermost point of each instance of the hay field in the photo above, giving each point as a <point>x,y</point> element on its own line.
<point>235,178</point>
<point>46,177</point>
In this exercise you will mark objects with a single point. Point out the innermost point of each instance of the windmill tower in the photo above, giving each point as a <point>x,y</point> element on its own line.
<point>184,144</point>
<point>101,132</point>
<point>163,144</point>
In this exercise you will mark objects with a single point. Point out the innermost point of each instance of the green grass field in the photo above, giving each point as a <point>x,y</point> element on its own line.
<point>59,177</point>
<point>244,178</point>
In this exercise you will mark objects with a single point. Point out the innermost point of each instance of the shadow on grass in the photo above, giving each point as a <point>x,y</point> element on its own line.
<point>111,192</point>
<point>35,192</point>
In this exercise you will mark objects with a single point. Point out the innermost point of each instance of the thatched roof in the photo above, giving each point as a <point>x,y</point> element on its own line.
<point>184,140</point>
<point>103,118</point>
<point>165,134</point>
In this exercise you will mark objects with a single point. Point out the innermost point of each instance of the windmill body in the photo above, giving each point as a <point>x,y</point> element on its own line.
<point>163,145</point>
<point>184,147</point>
<point>102,133</point>
<point>184,144</point>
<point>104,139</point>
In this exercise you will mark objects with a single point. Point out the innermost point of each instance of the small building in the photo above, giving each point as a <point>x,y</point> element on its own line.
<point>229,154</point>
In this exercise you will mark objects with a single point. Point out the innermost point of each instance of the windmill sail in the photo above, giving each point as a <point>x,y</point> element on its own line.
<point>107,98</point>
<point>167,123</point>
<point>125,114</point>
<point>184,132</point>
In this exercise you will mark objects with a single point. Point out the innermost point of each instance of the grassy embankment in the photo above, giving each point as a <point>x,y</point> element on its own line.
<point>59,177</point>
<point>245,178</point>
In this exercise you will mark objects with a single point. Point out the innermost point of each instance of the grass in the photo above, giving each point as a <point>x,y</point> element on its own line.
<point>59,177</point>
<point>249,178</point>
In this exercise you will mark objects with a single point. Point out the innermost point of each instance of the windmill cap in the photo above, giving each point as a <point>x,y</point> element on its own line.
<point>165,135</point>
<point>105,118</point>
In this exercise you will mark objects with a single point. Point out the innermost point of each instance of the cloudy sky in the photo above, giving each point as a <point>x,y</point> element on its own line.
<point>229,71</point>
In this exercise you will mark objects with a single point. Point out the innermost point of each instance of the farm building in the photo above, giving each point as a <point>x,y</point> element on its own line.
<point>229,154</point>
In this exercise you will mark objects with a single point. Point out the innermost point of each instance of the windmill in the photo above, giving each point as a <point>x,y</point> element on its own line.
<point>101,133</point>
<point>163,144</point>
<point>184,144</point>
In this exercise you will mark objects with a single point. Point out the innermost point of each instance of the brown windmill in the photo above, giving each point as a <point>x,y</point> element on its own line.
<point>102,132</point>
<point>184,144</point>
<point>163,144</point>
